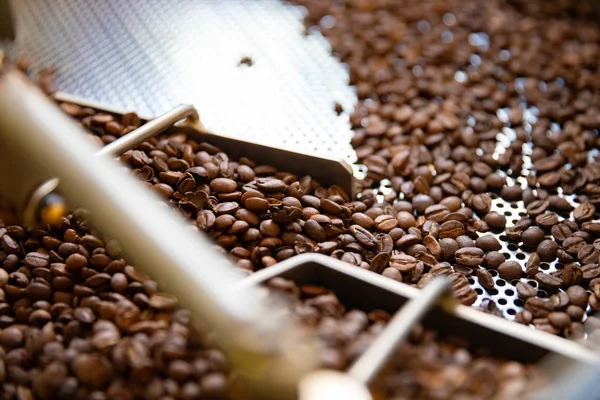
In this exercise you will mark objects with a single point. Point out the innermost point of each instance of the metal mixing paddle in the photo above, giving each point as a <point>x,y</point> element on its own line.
<point>353,385</point>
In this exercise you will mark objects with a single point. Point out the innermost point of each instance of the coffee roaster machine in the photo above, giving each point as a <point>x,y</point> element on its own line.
<point>46,160</point>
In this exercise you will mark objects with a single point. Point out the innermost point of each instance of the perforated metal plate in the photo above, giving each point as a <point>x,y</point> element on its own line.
<point>151,55</point>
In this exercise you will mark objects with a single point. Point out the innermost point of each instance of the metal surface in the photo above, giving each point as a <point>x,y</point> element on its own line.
<point>366,291</point>
<point>151,56</point>
<point>368,365</point>
<point>181,263</point>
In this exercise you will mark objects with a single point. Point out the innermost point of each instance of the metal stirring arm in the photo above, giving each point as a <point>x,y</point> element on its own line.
<point>325,385</point>
<point>37,142</point>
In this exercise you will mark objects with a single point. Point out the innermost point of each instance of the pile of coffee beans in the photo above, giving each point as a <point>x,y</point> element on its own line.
<point>485,102</point>
<point>429,367</point>
<point>425,366</point>
<point>78,322</point>
<point>459,112</point>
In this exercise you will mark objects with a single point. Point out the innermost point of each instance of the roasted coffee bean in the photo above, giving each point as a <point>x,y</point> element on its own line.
<point>547,220</point>
<point>449,248</point>
<point>572,275</point>
<point>575,313</point>
<point>488,243</point>
<point>559,319</point>
<point>588,254</point>
<point>451,229</point>
<point>481,203</point>
<point>525,290</point>
<point>547,250</point>
<point>537,207</point>
<point>465,241</point>
<point>590,271</point>
<point>573,244</point>
<point>548,281</point>
<point>493,259</point>
<point>510,270</point>
<point>469,256</point>
<point>485,278</point>
<point>577,296</point>
<point>539,308</point>
<point>403,263</point>
<point>560,232</point>
<point>532,237</point>
<point>524,317</point>
<point>584,212</point>
<point>495,220</point>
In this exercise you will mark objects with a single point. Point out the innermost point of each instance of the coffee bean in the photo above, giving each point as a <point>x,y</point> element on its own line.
<point>510,270</point>
<point>363,236</point>
<point>575,313</point>
<point>449,248</point>
<point>363,220</point>
<point>525,290</point>
<point>547,250</point>
<point>539,308</point>
<point>495,220</point>
<point>559,319</point>
<point>36,260</point>
<point>524,317</point>
<point>572,275</point>
<point>547,220</point>
<point>560,232</point>
<point>75,263</point>
<point>405,220</point>
<point>532,237</point>
<point>573,244</point>
<point>403,263</point>
<point>469,256</point>
<point>488,243</point>
<point>548,281</point>
<point>481,203</point>
<point>451,229</point>
<point>577,296</point>
<point>590,271</point>
<point>584,212</point>
<point>537,207</point>
<point>485,278</point>
<point>94,370</point>
<point>588,254</point>
<point>493,259</point>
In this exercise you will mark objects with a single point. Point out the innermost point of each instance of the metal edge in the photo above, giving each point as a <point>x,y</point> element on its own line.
<point>554,344</point>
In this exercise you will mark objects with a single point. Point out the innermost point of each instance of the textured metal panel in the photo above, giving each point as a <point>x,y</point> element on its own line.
<point>152,55</point>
